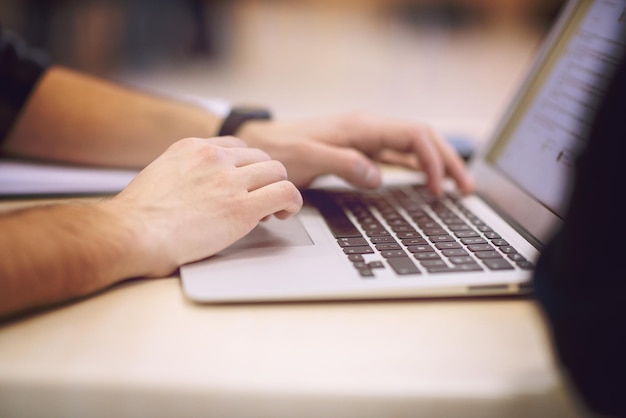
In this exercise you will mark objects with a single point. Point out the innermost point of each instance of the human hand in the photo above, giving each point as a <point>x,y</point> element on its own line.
<point>349,145</point>
<point>200,196</point>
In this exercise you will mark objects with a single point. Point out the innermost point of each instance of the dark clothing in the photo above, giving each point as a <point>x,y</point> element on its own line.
<point>580,279</point>
<point>20,69</point>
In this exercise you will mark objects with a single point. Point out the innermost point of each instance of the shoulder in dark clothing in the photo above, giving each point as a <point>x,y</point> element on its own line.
<point>580,279</point>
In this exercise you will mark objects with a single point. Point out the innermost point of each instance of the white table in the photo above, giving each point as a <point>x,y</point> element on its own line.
<point>142,349</point>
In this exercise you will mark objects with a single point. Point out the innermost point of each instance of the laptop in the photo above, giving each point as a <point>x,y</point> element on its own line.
<point>402,242</point>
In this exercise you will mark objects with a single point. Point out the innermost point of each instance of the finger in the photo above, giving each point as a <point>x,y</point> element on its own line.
<point>401,159</point>
<point>420,143</point>
<point>347,163</point>
<point>384,134</point>
<point>280,198</point>
<point>261,174</point>
<point>241,157</point>
<point>454,165</point>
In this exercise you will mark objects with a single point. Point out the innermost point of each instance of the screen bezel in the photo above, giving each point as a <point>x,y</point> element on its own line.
<point>531,217</point>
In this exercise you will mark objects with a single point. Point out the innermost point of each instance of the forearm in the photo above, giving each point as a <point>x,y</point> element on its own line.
<point>76,118</point>
<point>56,253</point>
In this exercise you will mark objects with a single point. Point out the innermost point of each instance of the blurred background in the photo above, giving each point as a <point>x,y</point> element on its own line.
<point>453,63</point>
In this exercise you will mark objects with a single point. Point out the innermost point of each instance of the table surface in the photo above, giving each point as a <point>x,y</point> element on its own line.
<point>142,348</point>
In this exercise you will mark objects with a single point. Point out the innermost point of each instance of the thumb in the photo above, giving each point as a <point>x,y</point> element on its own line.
<point>349,164</point>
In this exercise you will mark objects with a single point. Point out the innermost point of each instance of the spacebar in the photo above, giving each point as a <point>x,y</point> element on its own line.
<point>403,265</point>
<point>340,225</point>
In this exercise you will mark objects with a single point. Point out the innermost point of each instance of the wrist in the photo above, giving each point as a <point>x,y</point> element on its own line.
<point>138,247</point>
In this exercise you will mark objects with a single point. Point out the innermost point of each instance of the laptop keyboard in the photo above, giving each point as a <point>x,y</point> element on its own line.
<point>413,232</point>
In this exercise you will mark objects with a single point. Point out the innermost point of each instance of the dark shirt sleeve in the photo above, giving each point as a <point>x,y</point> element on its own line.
<point>20,69</point>
<point>580,279</point>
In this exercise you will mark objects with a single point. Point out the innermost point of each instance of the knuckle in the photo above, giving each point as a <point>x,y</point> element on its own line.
<point>184,143</point>
<point>210,152</point>
<point>235,140</point>
<point>280,169</point>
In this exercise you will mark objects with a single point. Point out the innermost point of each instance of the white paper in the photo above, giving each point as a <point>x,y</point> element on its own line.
<point>23,178</point>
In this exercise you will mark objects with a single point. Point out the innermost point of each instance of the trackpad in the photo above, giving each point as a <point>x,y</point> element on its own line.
<point>274,233</point>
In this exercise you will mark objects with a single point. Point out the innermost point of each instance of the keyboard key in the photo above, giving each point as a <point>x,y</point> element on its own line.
<point>373,227</point>
<point>388,246</point>
<point>462,260</point>
<point>456,269</point>
<point>442,238</point>
<point>454,221</point>
<point>397,221</point>
<point>428,264</point>
<point>460,227</point>
<point>405,235</point>
<point>487,254</point>
<point>393,253</point>
<point>358,250</point>
<point>499,242</point>
<point>416,212</point>
<point>516,257</point>
<point>420,249</point>
<point>498,264</point>
<point>352,242</point>
<point>378,233</point>
<point>366,273</point>
<point>376,265</point>
<point>383,239</point>
<point>428,224</point>
<point>414,241</point>
<point>403,266</point>
<point>455,252</point>
<point>434,231</point>
<point>525,265</point>
<point>466,234</point>
<point>507,249</point>
<point>427,256</point>
<point>447,245</point>
<point>470,241</point>
<point>355,258</point>
<point>403,228</point>
<point>480,247</point>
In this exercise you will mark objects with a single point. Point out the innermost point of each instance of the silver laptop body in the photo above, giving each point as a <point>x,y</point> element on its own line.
<point>523,183</point>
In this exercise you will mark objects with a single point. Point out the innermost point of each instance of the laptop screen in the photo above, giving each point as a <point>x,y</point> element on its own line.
<point>537,145</point>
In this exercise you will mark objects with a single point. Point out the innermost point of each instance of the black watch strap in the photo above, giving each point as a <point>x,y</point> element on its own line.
<point>238,116</point>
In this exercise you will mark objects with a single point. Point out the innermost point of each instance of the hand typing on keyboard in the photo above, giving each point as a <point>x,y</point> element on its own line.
<point>351,145</point>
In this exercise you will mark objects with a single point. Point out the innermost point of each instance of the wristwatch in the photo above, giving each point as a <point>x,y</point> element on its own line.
<point>239,115</point>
